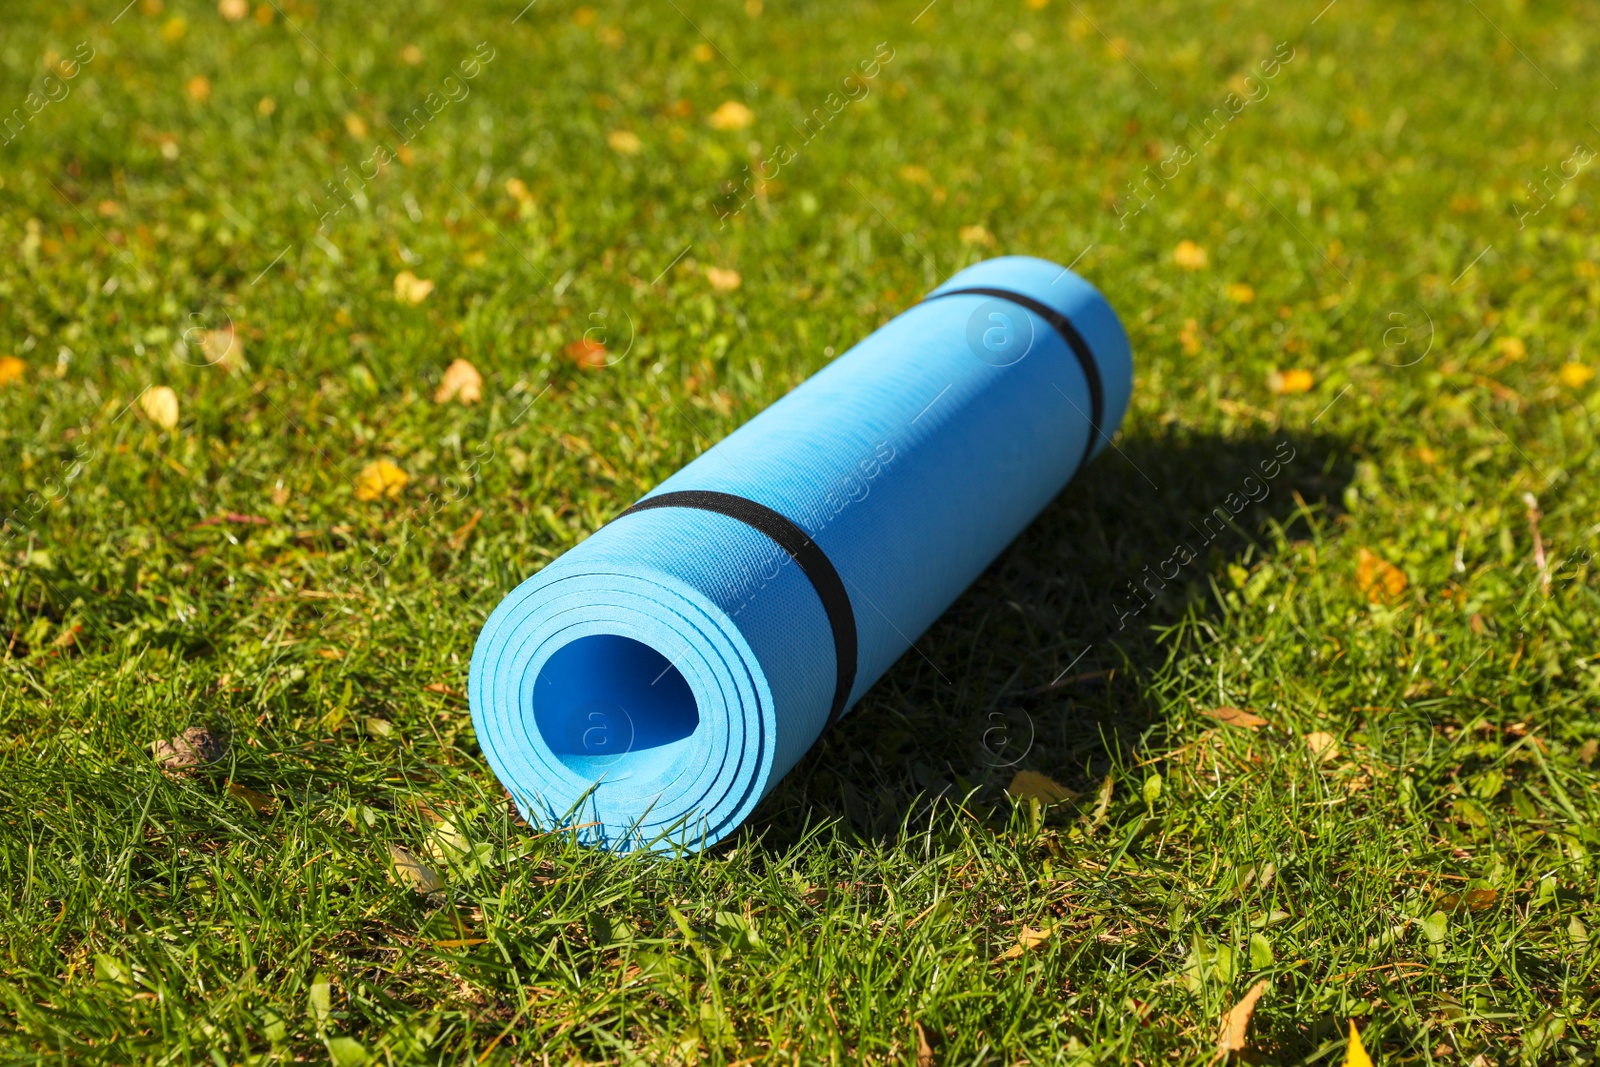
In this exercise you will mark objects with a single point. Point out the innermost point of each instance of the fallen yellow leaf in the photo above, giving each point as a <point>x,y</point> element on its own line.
<point>461,383</point>
<point>1575,375</point>
<point>259,803</point>
<point>517,189</point>
<point>160,406</point>
<point>461,942</point>
<point>11,368</point>
<point>1102,804</point>
<point>222,347</point>
<point>1322,745</point>
<point>1041,787</point>
<point>924,1049</point>
<point>412,872</point>
<point>1190,256</point>
<point>1355,1054</point>
<point>1379,579</point>
<point>723,281</point>
<point>1474,899</point>
<point>731,115</point>
<point>1031,937</point>
<point>410,289</point>
<point>976,235</point>
<point>1289,382</point>
<point>1231,1037</point>
<point>198,88</point>
<point>380,479</point>
<point>1511,349</point>
<point>1189,337</point>
<point>1236,717</point>
<point>625,141</point>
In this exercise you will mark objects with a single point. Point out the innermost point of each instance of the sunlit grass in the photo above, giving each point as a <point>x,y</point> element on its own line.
<point>1363,302</point>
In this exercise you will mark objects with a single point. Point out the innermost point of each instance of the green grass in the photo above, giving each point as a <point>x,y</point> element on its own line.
<point>1378,204</point>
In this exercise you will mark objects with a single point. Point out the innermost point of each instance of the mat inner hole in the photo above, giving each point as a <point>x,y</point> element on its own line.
<point>611,706</point>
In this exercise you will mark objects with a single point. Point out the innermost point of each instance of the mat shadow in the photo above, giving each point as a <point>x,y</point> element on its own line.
<point>1044,662</point>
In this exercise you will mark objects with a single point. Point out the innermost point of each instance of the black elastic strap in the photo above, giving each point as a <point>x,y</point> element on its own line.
<point>800,548</point>
<point>1069,333</point>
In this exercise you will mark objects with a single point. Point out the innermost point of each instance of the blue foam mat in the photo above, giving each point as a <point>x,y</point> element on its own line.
<point>655,682</point>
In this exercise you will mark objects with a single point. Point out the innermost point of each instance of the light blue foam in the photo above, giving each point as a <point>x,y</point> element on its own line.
<point>654,683</point>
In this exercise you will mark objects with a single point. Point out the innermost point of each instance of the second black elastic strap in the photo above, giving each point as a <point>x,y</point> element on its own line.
<point>1069,333</point>
<point>803,550</point>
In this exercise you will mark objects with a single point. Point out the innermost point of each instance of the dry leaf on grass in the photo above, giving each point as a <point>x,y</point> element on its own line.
<point>380,479</point>
<point>723,281</point>
<point>1031,937</point>
<point>732,115</point>
<point>1511,349</point>
<point>412,873</point>
<point>410,289</point>
<point>924,1049</point>
<point>194,747</point>
<point>1190,256</point>
<point>1322,745</point>
<point>1102,804</point>
<point>625,141</point>
<point>259,803</point>
<point>458,540</point>
<point>517,189</point>
<point>590,355</point>
<point>1233,1034</point>
<point>222,347</point>
<point>1290,382</point>
<point>1246,720</point>
<point>1032,785</point>
<point>11,368</point>
<point>461,383</point>
<point>1474,899</point>
<point>976,235</point>
<point>1379,579</point>
<point>160,405</point>
<point>1355,1054</point>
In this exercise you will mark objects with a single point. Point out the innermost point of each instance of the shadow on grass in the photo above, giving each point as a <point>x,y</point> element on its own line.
<point>1044,662</point>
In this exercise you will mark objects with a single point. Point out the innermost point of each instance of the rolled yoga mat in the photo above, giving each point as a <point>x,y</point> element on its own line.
<point>650,686</point>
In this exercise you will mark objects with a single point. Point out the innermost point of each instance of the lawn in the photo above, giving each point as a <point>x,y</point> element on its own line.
<point>1347,750</point>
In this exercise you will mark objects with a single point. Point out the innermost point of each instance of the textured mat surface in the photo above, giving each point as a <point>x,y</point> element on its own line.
<point>655,682</point>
